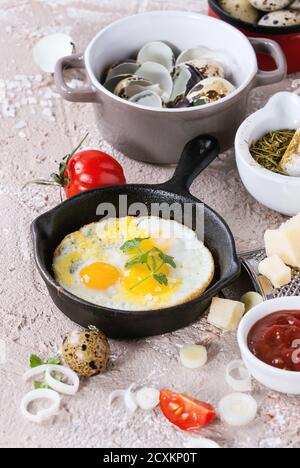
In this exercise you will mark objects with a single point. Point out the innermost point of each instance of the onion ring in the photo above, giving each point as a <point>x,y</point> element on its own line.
<point>238,409</point>
<point>147,398</point>
<point>244,383</point>
<point>114,395</point>
<point>201,442</point>
<point>129,399</point>
<point>43,414</point>
<point>61,387</point>
<point>35,372</point>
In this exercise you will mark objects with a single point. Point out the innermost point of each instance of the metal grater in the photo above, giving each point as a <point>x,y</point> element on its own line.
<point>250,261</point>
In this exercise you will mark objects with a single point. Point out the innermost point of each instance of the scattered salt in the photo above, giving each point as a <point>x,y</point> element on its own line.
<point>20,125</point>
<point>2,94</point>
<point>8,111</point>
<point>22,135</point>
<point>48,113</point>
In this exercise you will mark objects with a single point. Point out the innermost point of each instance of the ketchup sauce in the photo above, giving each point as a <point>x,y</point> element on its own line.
<point>275,340</point>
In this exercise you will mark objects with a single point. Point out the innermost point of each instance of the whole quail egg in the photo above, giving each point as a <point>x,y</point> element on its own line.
<point>281,18</point>
<point>86,352</point>
<point>240,9</point>
<point>270,5</point>
<point>295,5</point>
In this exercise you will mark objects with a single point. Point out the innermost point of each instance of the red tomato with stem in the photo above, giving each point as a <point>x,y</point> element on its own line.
<point>185,412</point>
<point>86,170</point>
<point>91,169</point>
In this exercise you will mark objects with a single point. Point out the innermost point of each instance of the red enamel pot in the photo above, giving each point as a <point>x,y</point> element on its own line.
<point>287,37</point>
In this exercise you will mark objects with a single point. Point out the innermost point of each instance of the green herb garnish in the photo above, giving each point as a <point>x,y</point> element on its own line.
<point>270,149</point>
<point>154,259</point>
<point>37,384</point>
<point>37,361</point>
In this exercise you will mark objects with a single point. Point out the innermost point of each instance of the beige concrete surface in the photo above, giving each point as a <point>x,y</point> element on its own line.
<point>36,128</point>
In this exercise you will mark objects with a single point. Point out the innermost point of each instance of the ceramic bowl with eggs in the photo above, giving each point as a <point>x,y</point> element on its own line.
<point>142,126</point>
<point>279,192</point>
<point>278,20</point>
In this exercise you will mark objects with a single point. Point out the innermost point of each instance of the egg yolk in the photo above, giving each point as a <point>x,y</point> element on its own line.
<point>135,276</point>
<point>99,276</point>
<point>137,281</point>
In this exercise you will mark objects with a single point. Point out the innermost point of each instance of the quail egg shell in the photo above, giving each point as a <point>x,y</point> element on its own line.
<point>295,5</point>
<point>86,352</point>
<point>240,9</point>
<point>270,5</point>
<point>281,18</point>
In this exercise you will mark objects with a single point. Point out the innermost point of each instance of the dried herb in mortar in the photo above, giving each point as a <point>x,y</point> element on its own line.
<point>270,149</point>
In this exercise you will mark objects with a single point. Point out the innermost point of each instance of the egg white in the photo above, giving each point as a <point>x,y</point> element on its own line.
<point>102,241</point>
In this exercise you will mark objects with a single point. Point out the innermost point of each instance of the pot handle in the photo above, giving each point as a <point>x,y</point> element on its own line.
<point>84,94</point>
<point>269,47</point>
<point>196,156</point>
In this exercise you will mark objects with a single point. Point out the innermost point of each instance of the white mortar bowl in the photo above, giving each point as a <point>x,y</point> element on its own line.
<point>279,192</point>
<point>276,379</point>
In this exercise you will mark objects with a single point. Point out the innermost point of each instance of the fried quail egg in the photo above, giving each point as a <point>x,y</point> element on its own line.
<point>93,265</point>
<point>295,5</point>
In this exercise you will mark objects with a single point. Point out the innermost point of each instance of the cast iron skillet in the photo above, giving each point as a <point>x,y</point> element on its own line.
<point>50,229</point>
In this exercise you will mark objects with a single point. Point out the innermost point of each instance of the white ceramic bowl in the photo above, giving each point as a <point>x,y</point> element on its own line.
<point>276,379</point>
<point>275,191</point>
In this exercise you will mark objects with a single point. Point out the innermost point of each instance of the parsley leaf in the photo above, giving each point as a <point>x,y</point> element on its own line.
<point>54,361</point>
<point>133,244</point>
<point>37,385</point>
<point>168,260</point>
<point>161,279</point>
<point>154,259</point>
<point>135,261</point>
<point>35,361</point>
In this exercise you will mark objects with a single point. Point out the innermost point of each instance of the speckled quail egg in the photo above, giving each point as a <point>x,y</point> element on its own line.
<point>270,5</point>
<point>281,18</point>
<point>240,9</point>
<point>295,5</point>
<point>86,352</point>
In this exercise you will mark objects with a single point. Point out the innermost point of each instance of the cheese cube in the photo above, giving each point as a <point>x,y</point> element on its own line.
<point>276,271</point>
<point>285,242</point>
<point>225,313</point>
<point>277,244</point>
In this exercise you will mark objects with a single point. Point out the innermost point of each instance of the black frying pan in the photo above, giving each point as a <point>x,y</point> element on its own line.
<point>51,228</point>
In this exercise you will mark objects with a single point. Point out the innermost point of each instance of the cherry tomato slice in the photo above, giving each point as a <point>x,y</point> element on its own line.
<point>91,169</point>
<point>185,412</point>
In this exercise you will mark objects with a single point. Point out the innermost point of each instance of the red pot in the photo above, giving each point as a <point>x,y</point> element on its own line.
<point>287,37</point>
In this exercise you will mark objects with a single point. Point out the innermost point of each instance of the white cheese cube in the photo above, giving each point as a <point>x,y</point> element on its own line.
<point>277,244</point>
<point>285,242</point>
<point>225,313</point>
<point>276,271</point>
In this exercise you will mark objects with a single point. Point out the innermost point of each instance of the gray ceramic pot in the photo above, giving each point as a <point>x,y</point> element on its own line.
<point>158,135</point>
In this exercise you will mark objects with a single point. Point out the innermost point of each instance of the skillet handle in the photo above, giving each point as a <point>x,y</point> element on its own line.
<point>196,156</point>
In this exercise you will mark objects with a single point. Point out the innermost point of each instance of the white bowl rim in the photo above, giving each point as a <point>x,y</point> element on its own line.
<point>242,338</point>
<point>242,146</point>
<point>180,14</point>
